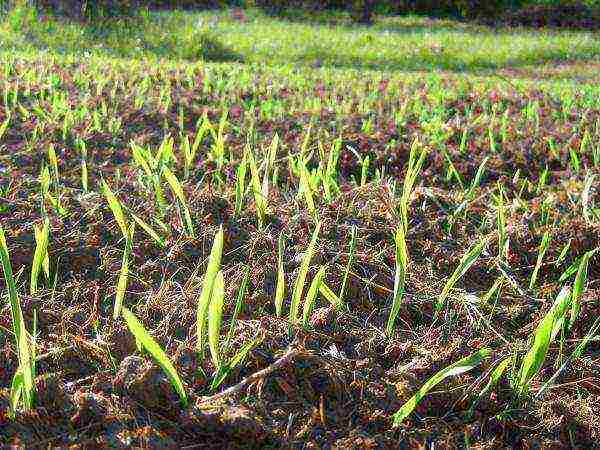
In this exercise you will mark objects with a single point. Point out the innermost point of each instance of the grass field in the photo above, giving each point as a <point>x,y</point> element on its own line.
<point>235,231</point>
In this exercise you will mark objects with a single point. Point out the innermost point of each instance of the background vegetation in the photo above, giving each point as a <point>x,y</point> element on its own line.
<point>582,13</point>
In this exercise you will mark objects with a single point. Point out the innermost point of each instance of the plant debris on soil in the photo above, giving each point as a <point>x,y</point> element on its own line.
<point>336,381</point>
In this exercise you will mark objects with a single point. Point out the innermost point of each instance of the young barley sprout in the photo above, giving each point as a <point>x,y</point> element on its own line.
<point>42,237</point>
<point>301,278</point>
<point>351,253</point>
<point>465,264</point>
<point>123,274</point>
<point>23,381</point>
<point>311,296</point>
<point>215,318</point>
<point>177,189</point>
<point>213,267</point>
<point>399,278</point>
<point>280,288</point>
<point>147,342</point>
<point>459,367</point>
<point>534,359</point>
<point>544,245</point>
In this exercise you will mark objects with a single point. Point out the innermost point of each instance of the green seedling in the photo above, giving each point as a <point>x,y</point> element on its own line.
<point>459,367</point>
<point>585,197</point>
<point>330,182</point>
<point>147,342</point>
<point>364,171</point>
<point>115,206</point>
<point>472,191</point>
<point>22,387</point>
<point>280,288</point>
<point>40,257</point>
<point>544,334</point>
<point>218,147</point>
<point>301,278</point>
<point>563,253</point>
<point>47,181</point>
<point>351,253</point>
<point>476,182</point>
<point>592,333</point>
<point>503,240</point>
<point>84,168</point>
<point>494,290</point>
<point>462,148</point>
<point>493,381</point>
<point>5,125</point>
<point>415,164</point>
<point>399,278</point>
<point>201,132</point>
<point>238,306</point>
<point>546,210</point>
<point>585,142</point>
<point>575,161</point>
<point>240,186</point>
<point>213,267</point>
<point>465,264</point>
<point>305,141</point>
<point>123,273</point>
<point>271,155</point>
<point>54,164</point>
<point>311,296</point>
<point>190,151</point>
<point>215,319</point>
<point>151,167</point>
<point>492,139</point>
<point>329,295</point>
<point>306,189</point>
<point>542,180</point>
<point>544,245</point>
<point>579,285</point>
<point>177,189</point>
<point>149,230</point>
<point>260,201</point>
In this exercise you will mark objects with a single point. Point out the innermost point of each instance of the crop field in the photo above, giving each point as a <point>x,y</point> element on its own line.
<point>299,235</point>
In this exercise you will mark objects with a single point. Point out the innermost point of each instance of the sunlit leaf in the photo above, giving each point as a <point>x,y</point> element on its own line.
<point>301,278</point>
<point>459,367</point>
<point>465,264</point>
<point>214,264</point>
<point>152,347</point>
<point>215,318</point>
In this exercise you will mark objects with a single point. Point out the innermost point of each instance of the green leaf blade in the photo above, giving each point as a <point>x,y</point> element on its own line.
<point>40,254</point>
<point>214,264</point>
<point>152,347</point>
<point>311,295</point>
<point>465,264</point>
<point>280,288</point>
<point>215,318</point>
<point>301,278</point>
<point>459,367</point>
<point>399,278</point>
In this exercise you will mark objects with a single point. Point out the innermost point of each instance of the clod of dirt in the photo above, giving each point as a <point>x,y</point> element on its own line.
<point>91,407</point>
<point>322,317</point>
<point>238,426</point>
<point>52,394</point>
<point>121,343</point>
<point>355,441</point>
<point>147,384</point>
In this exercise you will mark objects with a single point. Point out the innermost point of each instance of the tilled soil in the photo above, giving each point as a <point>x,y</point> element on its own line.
<point>342,378</point>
